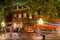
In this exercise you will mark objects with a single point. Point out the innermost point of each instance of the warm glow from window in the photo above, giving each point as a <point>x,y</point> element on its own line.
<point>24,15</point>
<point>15,25</point>
<point>30,17</point>
<point>19,15</point>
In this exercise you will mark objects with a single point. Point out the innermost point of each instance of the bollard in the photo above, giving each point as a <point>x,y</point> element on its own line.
<point>43,37</point>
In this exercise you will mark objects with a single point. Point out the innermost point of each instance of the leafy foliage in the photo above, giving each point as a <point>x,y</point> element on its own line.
<point>50,8</point>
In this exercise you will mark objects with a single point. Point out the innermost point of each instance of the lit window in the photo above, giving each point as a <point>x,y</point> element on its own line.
<point>19,16</point>
<point>24,15</point>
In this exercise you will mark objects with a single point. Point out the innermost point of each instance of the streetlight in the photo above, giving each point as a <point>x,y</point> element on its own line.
<point>21,26</point>
<point>40,21</point>
<point>3,24</point>
<point>14,25</point>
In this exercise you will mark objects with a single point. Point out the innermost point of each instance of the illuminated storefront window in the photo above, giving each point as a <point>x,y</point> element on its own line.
<point>24,15</point>
<point>19,15</point>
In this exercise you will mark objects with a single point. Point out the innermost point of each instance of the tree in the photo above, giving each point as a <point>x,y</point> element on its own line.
<point>47,7</point>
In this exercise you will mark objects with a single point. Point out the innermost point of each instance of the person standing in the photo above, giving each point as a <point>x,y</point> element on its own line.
<point>11,28</point>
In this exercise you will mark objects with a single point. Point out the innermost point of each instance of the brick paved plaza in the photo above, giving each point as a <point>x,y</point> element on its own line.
<point>28,36</point>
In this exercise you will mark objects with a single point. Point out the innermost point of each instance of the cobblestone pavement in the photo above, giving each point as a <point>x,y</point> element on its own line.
<point>28,36</point>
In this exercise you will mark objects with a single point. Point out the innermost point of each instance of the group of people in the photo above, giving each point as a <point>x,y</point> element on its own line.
<point>11,28</point>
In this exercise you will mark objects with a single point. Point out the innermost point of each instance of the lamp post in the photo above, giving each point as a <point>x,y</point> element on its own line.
<point>20,29</point>
<point>3,25</point>
<point>41,22</point>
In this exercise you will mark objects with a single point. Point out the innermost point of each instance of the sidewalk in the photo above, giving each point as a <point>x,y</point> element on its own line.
<point>28,36</point>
